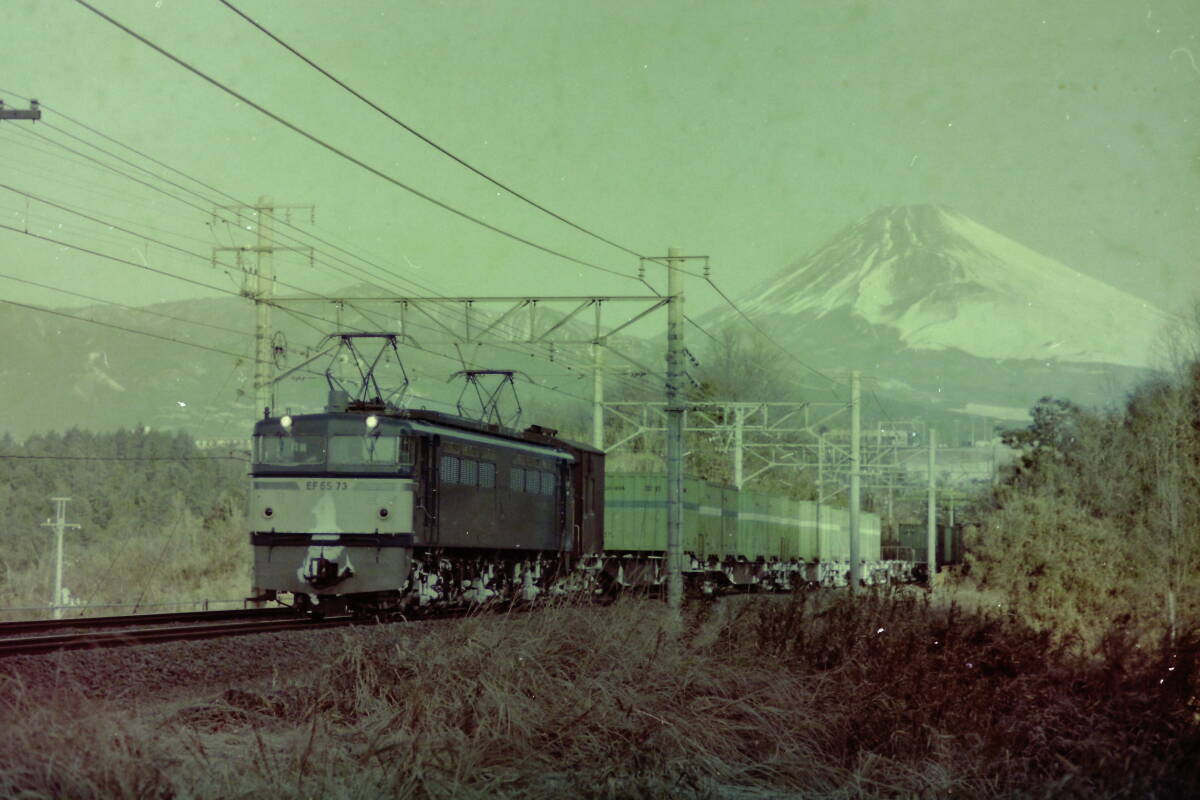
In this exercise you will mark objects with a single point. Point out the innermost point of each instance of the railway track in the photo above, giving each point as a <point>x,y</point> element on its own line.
<point>135,620</point>
<point>37,637</point>
<point>43,636</point>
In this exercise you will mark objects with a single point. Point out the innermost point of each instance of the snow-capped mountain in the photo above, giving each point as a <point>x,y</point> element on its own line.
<point>941,280</point>
<point>935,304</point>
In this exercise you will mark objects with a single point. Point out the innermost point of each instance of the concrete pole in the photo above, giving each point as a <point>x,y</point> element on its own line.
<point>931,511</point>
<point>738,469</point>
<point>948,536</point>
<point>263,290</point>
<point>598,394</point>
<point>820,468</point>
<point>855,480</point>
<point>59,525</point>
<point>675,408</point>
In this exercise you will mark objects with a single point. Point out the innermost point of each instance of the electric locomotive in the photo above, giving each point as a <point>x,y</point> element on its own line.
<point>372,508</point>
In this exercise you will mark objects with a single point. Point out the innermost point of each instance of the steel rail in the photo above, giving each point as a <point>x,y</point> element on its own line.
<point>129,620</point>
<point>47,643</point>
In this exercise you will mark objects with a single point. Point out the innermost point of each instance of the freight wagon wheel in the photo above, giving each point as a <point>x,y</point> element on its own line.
<point>306,606</point>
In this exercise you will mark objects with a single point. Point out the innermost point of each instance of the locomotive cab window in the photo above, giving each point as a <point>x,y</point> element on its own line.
<point>289,451</point>
<point>357,449</point>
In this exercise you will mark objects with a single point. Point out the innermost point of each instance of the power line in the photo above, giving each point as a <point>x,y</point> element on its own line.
<point>120,305</point>
<point>92,159</point>
<point>123,458</point>
<point>161,191</point>
<point>422,136</point>
<point>120,328</point>
<point>766,336</point>
<point>342,153</point>
<point>292,312</point>
<point>284,308</point>
<point>193,192</point>
<point>191,205</point>
<point>217,350</point>
<point>181,341</point>
<point>147,267</point>
<point>304,233</point>
<point>183,188</point>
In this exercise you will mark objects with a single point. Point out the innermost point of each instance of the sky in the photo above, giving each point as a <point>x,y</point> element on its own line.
<point>749,132</point>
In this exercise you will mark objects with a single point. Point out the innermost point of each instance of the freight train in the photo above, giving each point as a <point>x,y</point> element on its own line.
<point>375,509</point>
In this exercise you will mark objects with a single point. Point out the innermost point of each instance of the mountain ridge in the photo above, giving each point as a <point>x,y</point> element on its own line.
<point>937,277</point>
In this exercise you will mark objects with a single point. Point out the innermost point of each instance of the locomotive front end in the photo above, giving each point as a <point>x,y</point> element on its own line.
<point>331,506</point>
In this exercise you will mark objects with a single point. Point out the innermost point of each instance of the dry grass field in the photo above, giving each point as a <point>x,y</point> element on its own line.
<point>884,695</point>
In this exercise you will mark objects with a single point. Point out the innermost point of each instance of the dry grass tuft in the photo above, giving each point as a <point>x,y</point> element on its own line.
<point>823,695</point>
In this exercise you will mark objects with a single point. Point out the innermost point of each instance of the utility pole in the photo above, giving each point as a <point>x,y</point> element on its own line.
<point>739,423</point>
<point>675,409</point>
<point>59,525</point>
<point>820,470</point>
<point>263,289</point>
<point>855,480</point>
<point>931,511</point>
<point>259,286</point>
<point>598,390</point>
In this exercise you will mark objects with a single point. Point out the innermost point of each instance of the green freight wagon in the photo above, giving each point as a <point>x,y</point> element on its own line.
<point>807,518</point>
<point>721,522</point>
<point>635,507</point>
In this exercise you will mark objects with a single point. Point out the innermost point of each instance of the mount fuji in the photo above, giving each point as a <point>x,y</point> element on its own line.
<point>942,309</point>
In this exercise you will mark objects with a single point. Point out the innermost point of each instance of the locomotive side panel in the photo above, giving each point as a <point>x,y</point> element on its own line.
<point>500,496</point>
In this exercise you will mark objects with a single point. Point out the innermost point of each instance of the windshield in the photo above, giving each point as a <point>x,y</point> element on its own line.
<point>337,453</point>
<point>289,451</point>
<point>357,449</point>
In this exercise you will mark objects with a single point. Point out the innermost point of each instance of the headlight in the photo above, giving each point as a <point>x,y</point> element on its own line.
<point>372,422</point>
<point>286,422</point>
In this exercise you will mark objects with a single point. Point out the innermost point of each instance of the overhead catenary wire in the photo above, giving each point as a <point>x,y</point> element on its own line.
<point>287,310</point>
<point>345,155</point>
<point>121,458</point>
<point>187,203</point>
<point>767,336</point>
<point>446,152</point>
<point>192,191</point>
<point>284,308</point>
<point>188,190</point>
<point>217,191</point>
<point>420,135</point>
<point>462,162</point>
<point>158,189</point>
<point>200,283</point>
<point>122,306</point>
<point>145,267</point>
<point>143,169</point>
<point>120,328</point>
